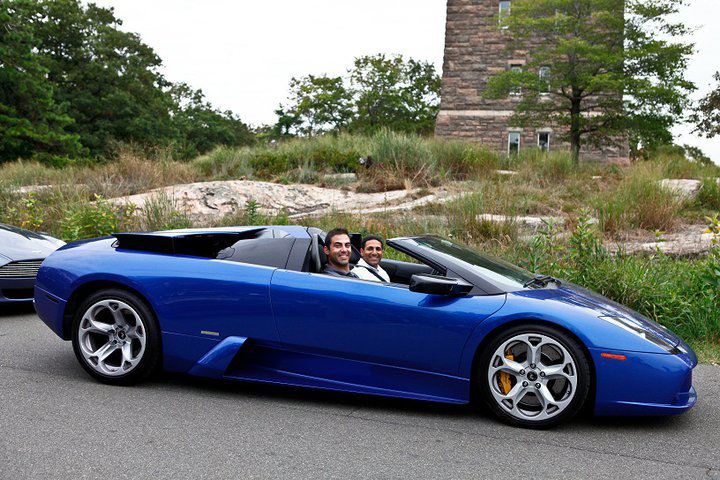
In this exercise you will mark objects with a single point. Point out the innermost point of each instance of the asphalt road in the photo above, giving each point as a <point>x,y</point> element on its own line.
<point>56,422</point>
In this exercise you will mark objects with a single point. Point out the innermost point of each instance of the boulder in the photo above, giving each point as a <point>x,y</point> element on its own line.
<point>682,188</point>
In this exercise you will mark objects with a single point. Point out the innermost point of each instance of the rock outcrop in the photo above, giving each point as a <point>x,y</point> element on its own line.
<point>208,200</point>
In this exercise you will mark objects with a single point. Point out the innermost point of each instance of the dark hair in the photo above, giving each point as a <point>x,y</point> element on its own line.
<point>371,237</point>
<point>334,233</point>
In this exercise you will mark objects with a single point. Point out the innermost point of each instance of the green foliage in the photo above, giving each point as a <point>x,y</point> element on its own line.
<point>32,123</point>
<point>251,215</point>
<point>680,294</point>
<point>380,93</point>
<point>27,215</point>
<point>707,115</point>
<point>545,249</point>
<point>108,78</point>
<point>614,58</point>
<point>72,83</point>
<point>709,194</point>
<point>319,104</point>
<point>252,212</point>
<point>325,153</point>
<point>198,127</point>
<point>160,212</point>
<point>395,94</point>
<point>95,219</point>
<point>711,272</point>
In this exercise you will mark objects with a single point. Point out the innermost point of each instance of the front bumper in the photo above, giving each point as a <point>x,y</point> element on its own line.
<point>644,384</point>
<point>16,290</point>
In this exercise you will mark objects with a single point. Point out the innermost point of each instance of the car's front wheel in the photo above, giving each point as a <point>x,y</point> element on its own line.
<point>534,376</point>
<point>116,338</point>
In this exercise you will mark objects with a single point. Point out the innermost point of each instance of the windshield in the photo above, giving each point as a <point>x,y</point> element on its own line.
<point>494,269</point>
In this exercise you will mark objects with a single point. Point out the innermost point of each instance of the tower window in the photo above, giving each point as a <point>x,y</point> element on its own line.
<point>504,10</point>
<point>544,141</point>
<point>544,74</point>
<point>516,67</point>
<point>513,143</point>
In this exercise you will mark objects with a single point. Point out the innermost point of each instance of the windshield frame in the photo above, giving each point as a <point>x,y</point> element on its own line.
<point>486,284</point>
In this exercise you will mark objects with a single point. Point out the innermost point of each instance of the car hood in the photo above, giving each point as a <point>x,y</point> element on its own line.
<point>17,244</point>
<point>578,296</point>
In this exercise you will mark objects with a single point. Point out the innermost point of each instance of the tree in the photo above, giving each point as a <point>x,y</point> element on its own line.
<point>109,79</point>
<point>600,68</point>
<point>199,126</point>
<point>319,104</point>
<point>707,116</point>
<point>70,74</point>
<point>31,123</point>
<point>287,123</point>
<point>379,92</point>
<point>392,93</point>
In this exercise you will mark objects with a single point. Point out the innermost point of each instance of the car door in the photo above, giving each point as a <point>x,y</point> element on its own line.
<point>375,322</point>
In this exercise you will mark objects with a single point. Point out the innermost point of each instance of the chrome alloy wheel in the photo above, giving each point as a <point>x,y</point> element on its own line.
<point>532,377</point>
<point>112,337</point>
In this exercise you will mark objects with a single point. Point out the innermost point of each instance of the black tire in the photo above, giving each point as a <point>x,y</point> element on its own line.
<point>151,358</point>
<point>583,375</point>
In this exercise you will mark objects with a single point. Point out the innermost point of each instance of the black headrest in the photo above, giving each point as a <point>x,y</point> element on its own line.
<point>321,252</point>
<point>354,256</point>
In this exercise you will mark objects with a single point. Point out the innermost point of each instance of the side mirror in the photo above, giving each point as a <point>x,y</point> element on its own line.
<point>437,285</point>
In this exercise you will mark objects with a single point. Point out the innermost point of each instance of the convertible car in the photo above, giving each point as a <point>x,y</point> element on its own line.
<point>21,253</point>
<point>454,325</point>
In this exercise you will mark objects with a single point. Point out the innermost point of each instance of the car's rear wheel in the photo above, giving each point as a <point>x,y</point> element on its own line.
<point>116,338</point>
<point>534,376</point>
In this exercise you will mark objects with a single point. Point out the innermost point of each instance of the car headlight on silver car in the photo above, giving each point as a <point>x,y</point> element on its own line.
<point>639,330</point>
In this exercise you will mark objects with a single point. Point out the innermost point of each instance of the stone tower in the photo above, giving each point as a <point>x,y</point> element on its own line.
<point>475,49</point>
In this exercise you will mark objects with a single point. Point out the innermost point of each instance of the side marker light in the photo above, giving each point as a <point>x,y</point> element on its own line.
<point>613,356</point>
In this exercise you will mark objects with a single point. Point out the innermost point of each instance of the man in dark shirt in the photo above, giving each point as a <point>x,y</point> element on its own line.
<point>338,250</point>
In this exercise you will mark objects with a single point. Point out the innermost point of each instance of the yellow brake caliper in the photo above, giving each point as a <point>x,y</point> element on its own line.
<point>504,377</point>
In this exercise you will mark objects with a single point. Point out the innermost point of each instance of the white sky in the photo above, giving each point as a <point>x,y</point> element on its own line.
<point>242,54</point>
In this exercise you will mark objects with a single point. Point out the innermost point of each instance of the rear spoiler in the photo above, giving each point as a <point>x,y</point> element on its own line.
<point>202,244</point>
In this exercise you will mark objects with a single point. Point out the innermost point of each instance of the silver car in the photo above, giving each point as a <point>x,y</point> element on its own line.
<point>21,253</point>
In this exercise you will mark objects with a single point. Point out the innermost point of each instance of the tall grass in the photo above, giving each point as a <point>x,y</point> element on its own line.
<point>639,202</point>
<point>709,194</point>
<point>328,154</point>
<point>160,212</point>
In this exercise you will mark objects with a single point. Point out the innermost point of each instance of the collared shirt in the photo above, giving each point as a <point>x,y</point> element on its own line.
<point>365,271</point>
<point>337,273</point>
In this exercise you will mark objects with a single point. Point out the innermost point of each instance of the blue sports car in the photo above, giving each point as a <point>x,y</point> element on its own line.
<point>454,325</point>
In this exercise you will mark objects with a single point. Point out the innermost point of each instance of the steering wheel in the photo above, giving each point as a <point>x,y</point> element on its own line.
<point>315,254</point>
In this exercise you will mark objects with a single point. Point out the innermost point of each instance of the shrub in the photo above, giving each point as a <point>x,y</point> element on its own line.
<point>463,160</point>
<point>399,160</point>
<point>95,219</point>
<point>553,167</point>
<point>638,202</point>
<point>160,212</point>
<point>709,194</point>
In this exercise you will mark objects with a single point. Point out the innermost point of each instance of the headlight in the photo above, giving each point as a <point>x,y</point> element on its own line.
<point>639,330</point>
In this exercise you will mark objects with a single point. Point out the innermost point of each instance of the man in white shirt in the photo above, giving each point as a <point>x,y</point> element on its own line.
<point>368,267</point>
